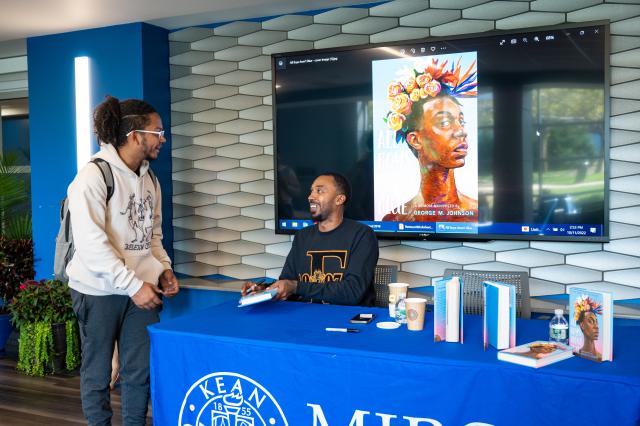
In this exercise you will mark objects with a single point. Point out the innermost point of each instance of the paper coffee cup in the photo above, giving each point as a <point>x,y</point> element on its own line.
<point>416,307</point>
<point>395,290</point>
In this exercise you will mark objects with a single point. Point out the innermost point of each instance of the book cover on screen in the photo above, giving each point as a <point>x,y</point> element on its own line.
<point>536,354</point>
<point>410,95</point>
<point>499,328</point>
<point>448,310</point>
<point>254,298</point>
<point>591,324</point>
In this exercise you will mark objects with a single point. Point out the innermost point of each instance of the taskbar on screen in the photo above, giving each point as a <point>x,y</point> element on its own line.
<point>552,230</point>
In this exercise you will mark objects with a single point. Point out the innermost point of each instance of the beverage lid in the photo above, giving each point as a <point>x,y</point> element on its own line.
<point>559,311</point>
<point>387,325</point>
<point>398,285</point>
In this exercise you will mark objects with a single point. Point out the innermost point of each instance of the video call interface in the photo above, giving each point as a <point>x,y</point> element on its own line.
<point>485,137</point>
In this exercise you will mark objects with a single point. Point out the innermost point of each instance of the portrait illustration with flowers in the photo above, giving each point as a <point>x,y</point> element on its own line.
<point>425,138</point>
<point>585,323</point>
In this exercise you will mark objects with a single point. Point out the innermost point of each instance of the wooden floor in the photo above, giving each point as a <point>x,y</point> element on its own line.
<point>49,401</point>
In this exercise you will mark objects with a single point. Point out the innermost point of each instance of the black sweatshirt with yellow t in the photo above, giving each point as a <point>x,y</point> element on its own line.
<point>334,267</point>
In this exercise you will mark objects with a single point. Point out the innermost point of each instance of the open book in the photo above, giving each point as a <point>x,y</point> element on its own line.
<point>254,298</point>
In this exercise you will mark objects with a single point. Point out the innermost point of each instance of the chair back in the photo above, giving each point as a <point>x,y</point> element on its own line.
<point>473,298</point>
<point>383,275</point>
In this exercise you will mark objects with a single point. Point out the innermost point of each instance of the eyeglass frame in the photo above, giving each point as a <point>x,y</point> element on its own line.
<point>159,133</point>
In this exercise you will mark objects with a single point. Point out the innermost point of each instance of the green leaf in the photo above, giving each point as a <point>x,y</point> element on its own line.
<point>18,227</point>
<point>13,189</point>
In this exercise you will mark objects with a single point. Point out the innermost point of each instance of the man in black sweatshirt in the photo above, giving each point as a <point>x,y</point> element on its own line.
<point>334,260</point>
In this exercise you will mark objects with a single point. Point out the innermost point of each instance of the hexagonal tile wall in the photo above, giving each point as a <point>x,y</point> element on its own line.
<point>223,142</point>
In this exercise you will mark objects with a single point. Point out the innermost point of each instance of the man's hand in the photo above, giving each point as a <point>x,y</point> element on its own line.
<point>285,288</point>
<point>169,283</point>
<point>251,287</point>
<point>147,297</point>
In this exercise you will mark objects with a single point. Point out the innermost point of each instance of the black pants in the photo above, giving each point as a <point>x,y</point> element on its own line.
<point>104,320</point>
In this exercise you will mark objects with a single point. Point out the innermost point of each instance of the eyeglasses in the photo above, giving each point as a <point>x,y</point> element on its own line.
<point>159,133</point>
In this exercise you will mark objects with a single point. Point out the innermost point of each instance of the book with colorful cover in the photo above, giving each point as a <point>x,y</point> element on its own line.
<point>448,310</point>
<point>591,324</point>
<point>499,328</point>
<point>536,354</point>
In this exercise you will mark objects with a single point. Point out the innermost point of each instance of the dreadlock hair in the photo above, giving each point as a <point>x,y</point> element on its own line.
<point>113,119</point>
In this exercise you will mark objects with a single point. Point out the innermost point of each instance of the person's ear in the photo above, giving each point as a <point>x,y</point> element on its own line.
<point>133,137</point>
<point>341,199</point>
<point>413,139</point>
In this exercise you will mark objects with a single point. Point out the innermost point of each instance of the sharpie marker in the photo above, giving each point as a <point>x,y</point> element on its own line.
<point>253,288</point>
<point>343,330</point>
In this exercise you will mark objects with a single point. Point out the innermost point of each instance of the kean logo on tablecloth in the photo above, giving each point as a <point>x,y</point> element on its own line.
<point>229,399</point>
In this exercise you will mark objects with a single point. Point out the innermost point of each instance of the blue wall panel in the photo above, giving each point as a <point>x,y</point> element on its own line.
<point>156,91</point>
<point>117,69</point>
<point>15,137</point>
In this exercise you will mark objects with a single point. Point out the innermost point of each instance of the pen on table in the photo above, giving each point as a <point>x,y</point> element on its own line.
<point>343,330</point>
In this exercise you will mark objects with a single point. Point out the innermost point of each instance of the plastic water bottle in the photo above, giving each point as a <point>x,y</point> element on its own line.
<point>559,328</point>
<point>401,310</point>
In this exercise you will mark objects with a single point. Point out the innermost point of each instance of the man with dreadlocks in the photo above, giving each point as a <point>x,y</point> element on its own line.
<point>427,116</point>
<point>118,272</point>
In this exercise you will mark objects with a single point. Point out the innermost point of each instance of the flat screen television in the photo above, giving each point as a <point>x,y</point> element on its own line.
<point>499,135</point>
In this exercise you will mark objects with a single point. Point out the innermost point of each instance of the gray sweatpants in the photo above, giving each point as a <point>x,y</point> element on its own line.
<point>104,320</point>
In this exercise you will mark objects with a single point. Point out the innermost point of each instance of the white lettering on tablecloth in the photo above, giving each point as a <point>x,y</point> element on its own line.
<point>358,419</point>
<point>221,399</point>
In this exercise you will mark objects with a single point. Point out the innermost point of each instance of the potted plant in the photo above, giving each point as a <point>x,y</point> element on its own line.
<point>48,342</point>
<point>16,247</point>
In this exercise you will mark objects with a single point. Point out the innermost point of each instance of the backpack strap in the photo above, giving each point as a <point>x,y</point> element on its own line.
<point>64,211</point>
<point>107,174</point>
<point>154,179</point>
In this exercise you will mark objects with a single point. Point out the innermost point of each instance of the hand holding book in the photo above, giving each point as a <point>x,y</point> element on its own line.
<point>257,297</point>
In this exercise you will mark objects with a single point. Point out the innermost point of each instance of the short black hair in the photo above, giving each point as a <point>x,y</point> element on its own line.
<point>342,184</point>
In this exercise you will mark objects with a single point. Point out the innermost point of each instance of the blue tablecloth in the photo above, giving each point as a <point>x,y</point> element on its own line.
<point>274,364</point>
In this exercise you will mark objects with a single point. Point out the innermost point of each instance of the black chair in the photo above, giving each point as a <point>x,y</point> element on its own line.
<point>383,275</point>
<point>473,299</point>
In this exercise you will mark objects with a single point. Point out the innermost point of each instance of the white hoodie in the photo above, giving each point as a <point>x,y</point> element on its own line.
<point>118,245</point>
